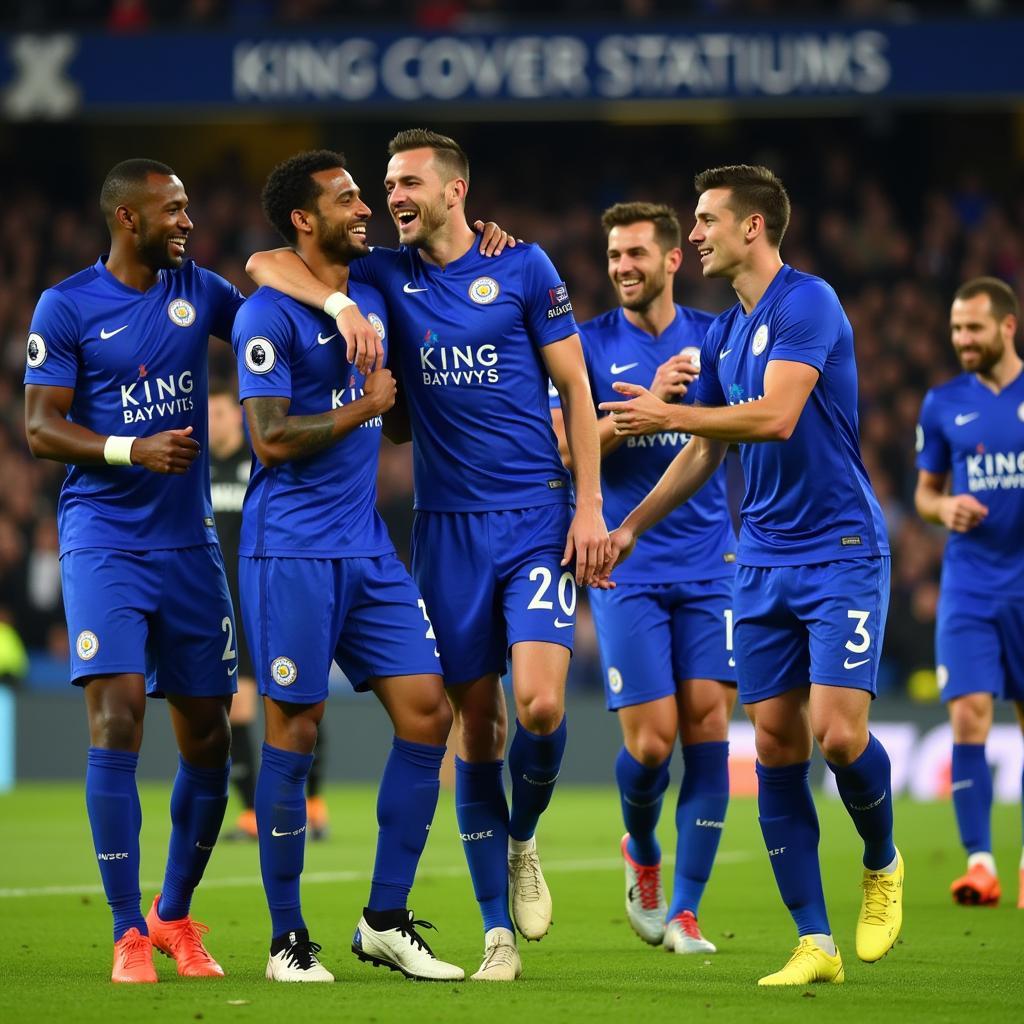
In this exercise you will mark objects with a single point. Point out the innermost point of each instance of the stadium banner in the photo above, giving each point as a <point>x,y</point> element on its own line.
<point>363,72</point>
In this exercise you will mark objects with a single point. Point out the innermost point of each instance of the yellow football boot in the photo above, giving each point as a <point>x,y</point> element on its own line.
<point>808,964</point>
<point>881,912</point>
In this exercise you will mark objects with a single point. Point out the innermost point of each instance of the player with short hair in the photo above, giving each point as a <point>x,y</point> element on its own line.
<point>665,631</point>
<point>970,446</point>
<point>475,343</point>
<point>320,580</point>
<point>779,378</point>
<point>116,388</point>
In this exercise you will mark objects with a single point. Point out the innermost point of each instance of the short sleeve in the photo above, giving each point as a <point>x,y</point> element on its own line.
<point>51,355</point>
<point>933,454</point>
<point>226,300</point>
<point>262,341</point>
<point>808,325</point>
<point>546,303</point>
<point>708,388</point>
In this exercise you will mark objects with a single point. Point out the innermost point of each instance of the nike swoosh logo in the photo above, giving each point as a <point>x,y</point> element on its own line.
<point>104,333</point>
<point>962,419</point>
<point>409,290</point>
<point>732,663</point>
<point>722,355</point>
<point>559,624</point>
<point>615,368</point>
<point>855,664</point>
<point>297,832</point>
<point>321,340</point>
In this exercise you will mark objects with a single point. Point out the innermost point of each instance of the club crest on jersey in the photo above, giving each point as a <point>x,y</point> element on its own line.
<point>760,342</point>
<point>484,290</point>
<point>182,312</point>
<point>260,356</point>
<point>87,645</point>
<point>35,353</point>
<point>283,671</point>
<point>614,680</point>
<point>377,324</point>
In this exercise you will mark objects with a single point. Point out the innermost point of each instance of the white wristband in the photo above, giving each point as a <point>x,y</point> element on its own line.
<point>117,451</point>
<point>335,303</point>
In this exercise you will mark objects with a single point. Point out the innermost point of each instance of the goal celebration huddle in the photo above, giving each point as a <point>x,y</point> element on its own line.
<point>548,456</point>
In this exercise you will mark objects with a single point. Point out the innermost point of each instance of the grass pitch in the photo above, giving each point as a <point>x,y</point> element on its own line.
<point>951,964</point>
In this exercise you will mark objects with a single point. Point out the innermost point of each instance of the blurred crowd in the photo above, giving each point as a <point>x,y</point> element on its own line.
<point>894,249</point>
<point>448,15</point>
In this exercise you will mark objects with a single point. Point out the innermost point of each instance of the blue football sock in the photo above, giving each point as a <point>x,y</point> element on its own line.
<point>789,824</point>
<point>281,824</point>
<point>533,763</point>
<point>700,818</point>
<point>972,796</point>
<point>198,801</point>
<point>865,787</point>
<point>406,801</point>
<point>641,790</point>
<point>115,816</point>
<point>482,813</point>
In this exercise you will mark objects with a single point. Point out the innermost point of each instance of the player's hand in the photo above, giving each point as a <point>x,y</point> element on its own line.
<point>961,513</point>
<point>673,377</point>
<point>363,347</point>
<point>494,238</point>
<point>644,413</point>
<point>588,540</point>
<point>170,451</point>
<point>380,389</point>
<point>621,542</point>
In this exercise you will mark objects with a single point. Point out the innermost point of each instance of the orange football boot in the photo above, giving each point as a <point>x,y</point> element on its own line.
<point>978,888</point>
<point>182,941</point>
<point>133,958</point>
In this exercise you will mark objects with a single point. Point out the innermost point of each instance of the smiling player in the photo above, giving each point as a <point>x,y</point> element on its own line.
<point>970,445</point>
<point>778,377</point>
<point>665,631</point>
<point>116,388</point>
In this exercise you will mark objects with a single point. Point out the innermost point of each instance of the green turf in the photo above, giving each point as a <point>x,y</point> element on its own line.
<point>952,964</point>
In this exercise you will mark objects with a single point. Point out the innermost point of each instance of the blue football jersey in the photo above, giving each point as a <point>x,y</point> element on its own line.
<point>977,435</point>
<point>808,499</point>
<point>137,364</point>
<point>467,343</point>
<point>696,540</point>
<point>323,506</point>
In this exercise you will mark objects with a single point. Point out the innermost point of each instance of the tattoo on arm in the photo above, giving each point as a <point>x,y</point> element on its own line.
<point>294,437</point>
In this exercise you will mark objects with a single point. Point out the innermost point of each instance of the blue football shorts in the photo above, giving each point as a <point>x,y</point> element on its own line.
<point>979,645</point>
<point>655,636</point>
<point>494,579</point>
<point>801,624</point>
<point>301,613</point>
<point>163,614</point>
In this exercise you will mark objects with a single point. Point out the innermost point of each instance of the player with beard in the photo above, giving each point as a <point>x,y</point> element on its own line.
<point>970,447</point>
<point>116,388</point>
<point>475,343</point>
<point>779,378</point>
<point>320,580</point>
<point>665,631</point>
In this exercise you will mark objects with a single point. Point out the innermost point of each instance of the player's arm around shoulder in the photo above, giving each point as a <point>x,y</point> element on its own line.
<point>284,270</point>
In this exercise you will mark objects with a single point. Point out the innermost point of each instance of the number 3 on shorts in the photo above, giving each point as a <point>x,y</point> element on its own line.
<point>864,638</point>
